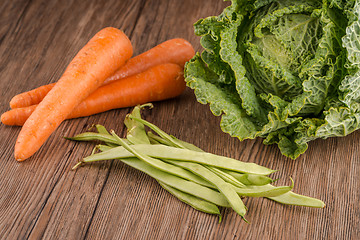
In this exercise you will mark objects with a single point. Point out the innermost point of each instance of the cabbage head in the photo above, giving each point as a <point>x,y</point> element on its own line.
<point>283,70</point>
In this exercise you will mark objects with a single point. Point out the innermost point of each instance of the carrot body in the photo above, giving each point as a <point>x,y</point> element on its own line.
<point>96,61</point>
<point>30,97</point>
<point>157,83</point>
<point>17,116</point>
<point>177,51</point>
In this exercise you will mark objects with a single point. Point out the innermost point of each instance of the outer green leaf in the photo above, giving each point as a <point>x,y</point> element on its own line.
<point>339,122</point>
<point>350,87</point>
<point>222,99</point>
<point>351,41</point>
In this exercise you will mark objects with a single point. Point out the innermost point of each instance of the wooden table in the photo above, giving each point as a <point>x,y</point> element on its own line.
<point>43,198</point>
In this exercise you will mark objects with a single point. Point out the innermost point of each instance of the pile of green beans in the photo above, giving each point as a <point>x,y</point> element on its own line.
<point>203,180</point>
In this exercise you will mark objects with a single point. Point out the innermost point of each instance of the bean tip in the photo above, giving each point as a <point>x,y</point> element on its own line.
<point>91,127</point>
<point>245,219</point>
<point>80,162</point>
<point>150,105</point>
<point>220,218</point>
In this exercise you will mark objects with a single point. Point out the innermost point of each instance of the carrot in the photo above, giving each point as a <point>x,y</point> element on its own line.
<point>30,97</point>
<point>17,116</point>
<point>177,51</point>
<point>157,83</point>
<point>96,61</point>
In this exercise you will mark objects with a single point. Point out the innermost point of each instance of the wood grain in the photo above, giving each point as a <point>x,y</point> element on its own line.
<point>43,199</point>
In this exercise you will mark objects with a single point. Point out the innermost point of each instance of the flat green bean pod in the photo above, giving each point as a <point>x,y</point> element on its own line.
<point>263,191</point>
<point>174,141</point>
<point>195,202</point>
<point>135,130</point>
<point>166,152</point>
<point>93,136</point>
<point>169,168</point>
<point>168,143</point>
<point>291,198</point>
<point>243,191</point>
<point>225,188</point>
<point>181,184</point>
<point>227,177</point>
<point>101,129</point>
<point>158,139</point>
<point>250,179</point>
<point>103,148</point>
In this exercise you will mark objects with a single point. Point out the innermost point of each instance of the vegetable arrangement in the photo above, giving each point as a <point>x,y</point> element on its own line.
<point>101,77</point>
<point>286,71</point>
<point>202,180</point>
<point>105,76</point>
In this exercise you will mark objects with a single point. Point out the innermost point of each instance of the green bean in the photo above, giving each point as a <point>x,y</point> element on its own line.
<point>225,188</point>
<point>227,177</point>
<point>158,139</point>
<point>91,136</point>
<point>153,141</point>
<point>249,191</point>
<point>187,145</point>
<point>244,191</point>
<point>263,191</point>
<point>238,179</point>
<point>258,180</point>
<point>250,179</point>
<point>195,202</point>
<point>168,143</point>
<point>181,184</point>
<point>103,148</point>
<point>169,168</point>
<point>174,141</point>
<point>190,146</point>
<point>135,130</point>
<point>291,198</point>
<point>103,130</point>
<point>134,138</point>
<point>166,152</point>
<point>161,133</point>
<point>118,152</point>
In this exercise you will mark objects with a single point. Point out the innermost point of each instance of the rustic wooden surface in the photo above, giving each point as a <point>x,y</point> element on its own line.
<point>43,198</point>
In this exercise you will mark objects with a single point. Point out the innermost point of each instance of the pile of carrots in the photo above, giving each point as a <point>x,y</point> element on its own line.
<point>102,76</point>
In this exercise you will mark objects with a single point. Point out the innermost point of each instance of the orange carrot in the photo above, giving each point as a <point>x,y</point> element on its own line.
<point>96,61</point>
<point>177,51</point>
<point>17,116</point>
<point>30,97</point>
<point>157,83</point>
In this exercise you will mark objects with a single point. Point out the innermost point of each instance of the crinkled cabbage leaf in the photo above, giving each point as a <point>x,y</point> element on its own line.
<point>286,71</point>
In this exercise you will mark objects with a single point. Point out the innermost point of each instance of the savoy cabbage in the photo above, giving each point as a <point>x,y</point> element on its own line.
<point>284,70</point>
